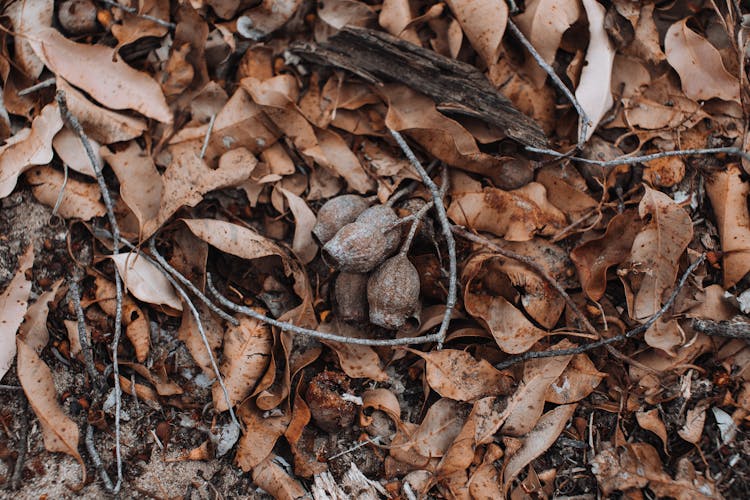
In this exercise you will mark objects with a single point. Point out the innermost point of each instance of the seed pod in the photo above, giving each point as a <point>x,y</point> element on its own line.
<point>350,293</point>
<point>356,248</point>
<point>393,292</point>
<point>77,17</point>
<point>328,409</point>
<point>336,213</point>
<point>384,219</point>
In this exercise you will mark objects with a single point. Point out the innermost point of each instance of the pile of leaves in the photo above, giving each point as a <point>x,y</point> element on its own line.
<point>220,142</point>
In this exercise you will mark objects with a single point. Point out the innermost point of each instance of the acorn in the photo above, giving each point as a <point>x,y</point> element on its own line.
<point>350,292</point>
<point>336,213</point>
<point>393,292</point>
<point>356,248</point>
<point>383,217</point>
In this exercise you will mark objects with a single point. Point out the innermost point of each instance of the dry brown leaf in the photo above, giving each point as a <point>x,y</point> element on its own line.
<point>58,430</point>
<point>595,257</point>
<point>699,65</point>
<point>140,182</point>
<point>116,84</point>
<point>395,16</point>
<point>187,179</point>
<point>457,375</point>
<point>340,159</point>
<point>340,13</point>
<point>485,481</point>
<point>29,147</point>
<point>527,403</point>
<point>247,350</point>
<point>13,306</point>
<point>70,149</point>
<point>145,281</point>
<point>579,379</point>
<point>651,269</point>
<point>137,327</point>
<point>440,426</point>
<point>191,337</point>
<point>651,421</point>
<point>134,27</point>
<point>515,215</point>
<point>28,18</point>
<point>33,330</point>
<point>483,24</point>
<point>383,400</point>
<point>645,45</point>
<point>593,92</point>
<point>100,124</point>
<point>567,190</point>
<point>728,194</point>
<point>304,219</point>
<point>544,22</point>
<point>357,361</point>
<point>664,172</point>
<point>269,16</point>
<point>537,441</point>
<point>273,479</point>
<point>80,200</point>
<point>261,434</point>
<point>695,419</point>
<point>232,238</point>
<point>637,465</point>
<point>144,392</point>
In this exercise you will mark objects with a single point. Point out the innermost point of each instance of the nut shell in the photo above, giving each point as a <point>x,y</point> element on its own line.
<point>336,213</point>
<point>356,248</point>
<point>350,292</point>
<point>382,217</point>
<point>393,292</point>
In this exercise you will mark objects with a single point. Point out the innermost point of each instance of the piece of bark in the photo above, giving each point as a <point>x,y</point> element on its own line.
<point>455,86</point>
<point>736,328</point>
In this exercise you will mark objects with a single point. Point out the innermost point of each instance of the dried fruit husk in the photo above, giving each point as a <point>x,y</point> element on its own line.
<point>356,248</point>
<point>383,218</point>
<point>328,409</point>
<point>350,292</point>
<point>393,292</point>
<point>336,213</point>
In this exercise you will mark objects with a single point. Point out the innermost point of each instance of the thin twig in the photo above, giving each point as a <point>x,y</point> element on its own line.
<point>290,327</point>
<point>23,442</point>
<point>41,85</point>
<point>134,11</point>
<point>631,160</point>
<point>4,387</point>
<point>585,120</point>
<point>735,329</point>
<point>411,187</point>
<point>96,459</point>
<point>617,338</point>
<point>208,136</point>
<point>73,122</point>
<point>533,265</point>
<point>450,302</point>
<point>62,191</point>
<point>88,356</point>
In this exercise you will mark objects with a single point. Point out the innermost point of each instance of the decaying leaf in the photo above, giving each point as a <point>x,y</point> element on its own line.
<point>69,148</point>
<point>80,200</point>
<point>579,379</point>
<point>440,426</point>
<point>303,244</point>
<point>261,433</point>
<point>116,84</point>
<point>357,361</point>
<point>137,328</point>
<point>13,305</point>
<point>484,25</point>
<point>651,421</point>
<point>273,479</point>
<point>145,281</point>
<point>699,65</point>
<point>247,349</point>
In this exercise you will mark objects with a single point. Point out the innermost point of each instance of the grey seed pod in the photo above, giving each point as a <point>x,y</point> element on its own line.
<point>77,17</point>
<point>393,292</point>
<point>350,292</point>
<point>356,248</point>
<point>383,218</point>
<point>336,213</point>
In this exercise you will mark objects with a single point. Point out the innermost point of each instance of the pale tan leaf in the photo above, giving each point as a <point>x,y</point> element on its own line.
<point>270,15</point>
<point>457,375</point>
<point>273,479</point>
<point>73,336</point>
<point>440,426</point>
<point>593,92</point>
<point>233,239</point>
<point>304,220</point>
<point>261,434</point>
<point>536,442</point>
<point>33,330</point>
<point>58,430</point>
<point>728,194</point>
<point>651,421</point>
<point>544,22</point>
<point>28,17</point>
<point>699,65</point>
<point>357,361</point>
<point>13,306</point>
<point>579,379</point>
<point>145,281</point>
<point>69,148</point>
<point>339,13</point>
<point>395,16</point>
<point>136,322</point>
<point>79,200</point>
<point>33,147</point>
<point>116,85</point>
<point>191,337</point>
<point>102,125</point>
<point>383,400</point>
<point>695,419</point>
<point>247,352</point>
<point>484,25</point>
<point>340,159</point>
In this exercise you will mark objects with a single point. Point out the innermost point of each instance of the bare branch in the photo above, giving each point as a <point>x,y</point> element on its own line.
<point>632,160</point>
<point>88,356</point>
<point>735,328</point>
<point>39,86</point>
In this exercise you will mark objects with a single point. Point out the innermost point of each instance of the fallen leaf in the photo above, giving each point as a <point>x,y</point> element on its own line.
<point>728,194</point>
<point>395,16</point>
<point>269,16</point>
<point>145,281</point>
<point>189,334</point>
<point>13,306</point>
<point>80,200</point>
<point>33,330</point>
<point>544,22</point>
<point>695,419</point>
<point>440,426</point>
<point>27,19</point>
<point>247,350</point>
<point>273,479</point>
<point>357,361</point>
<point>69,148</point>
<point>651,421</point>
<point>537,441</point>
<point>484,25</point>
<point>261,434</point>
<point>485,481</point>
<point>699,65</point>
<point>340,13</point>
<point>593,92</point>
<point>234,239</point>
<point>29,147</point>
<point>457,375</point>
<point>116,84</point>
<point>579,379</point>
<point>137,328</point>
<point>304,219</point>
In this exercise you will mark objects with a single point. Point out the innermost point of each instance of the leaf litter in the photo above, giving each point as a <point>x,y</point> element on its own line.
<point>225,127</point>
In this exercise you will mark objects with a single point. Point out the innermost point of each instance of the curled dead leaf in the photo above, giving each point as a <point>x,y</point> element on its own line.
<point>13,306</point>
<point>145,281</point>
